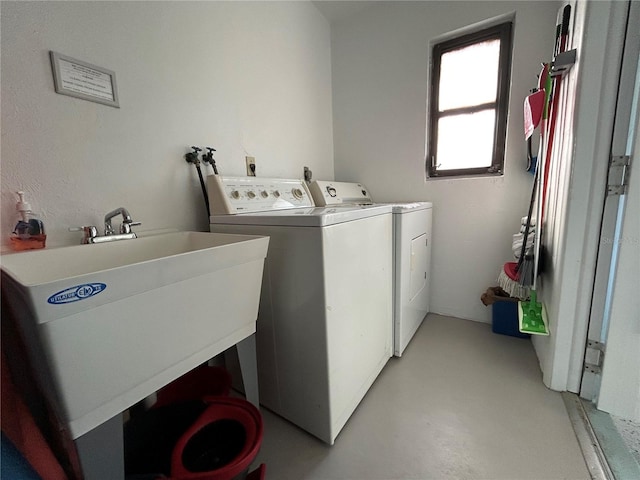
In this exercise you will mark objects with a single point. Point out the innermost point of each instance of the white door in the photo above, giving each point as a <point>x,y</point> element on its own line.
<point>620,384</point>
<point>615,314</point>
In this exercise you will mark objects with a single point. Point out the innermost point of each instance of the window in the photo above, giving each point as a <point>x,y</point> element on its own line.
<point>469,103</point>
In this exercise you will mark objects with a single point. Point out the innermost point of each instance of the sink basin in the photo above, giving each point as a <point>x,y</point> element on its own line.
<point>111,323</point>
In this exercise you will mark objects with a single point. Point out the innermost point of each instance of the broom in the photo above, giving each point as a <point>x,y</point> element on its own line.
<point>515,278</point>
<point>510,278</point>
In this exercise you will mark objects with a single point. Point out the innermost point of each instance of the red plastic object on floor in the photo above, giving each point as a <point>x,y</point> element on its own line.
<point>201,445</point>
<point>200,382</point>
<point>259,473</point>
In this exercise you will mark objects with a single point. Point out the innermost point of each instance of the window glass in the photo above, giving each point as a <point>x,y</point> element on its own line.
<point>469,76</point>
<point>466,141</point>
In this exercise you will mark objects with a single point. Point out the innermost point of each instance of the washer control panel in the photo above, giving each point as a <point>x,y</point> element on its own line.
<point>231,195</point>
<point>336,193</point>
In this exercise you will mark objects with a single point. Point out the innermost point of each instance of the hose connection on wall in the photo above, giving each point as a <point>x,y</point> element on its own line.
<point>193,157</point>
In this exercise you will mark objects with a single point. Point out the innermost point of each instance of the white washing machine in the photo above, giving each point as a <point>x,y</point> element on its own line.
<point>411,254</point>
<point>324,329</point>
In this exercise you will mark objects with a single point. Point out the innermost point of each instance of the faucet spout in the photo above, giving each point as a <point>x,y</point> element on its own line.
<point>108,228</point>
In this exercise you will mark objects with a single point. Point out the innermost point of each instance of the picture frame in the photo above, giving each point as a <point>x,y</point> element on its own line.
<point>80,79</point>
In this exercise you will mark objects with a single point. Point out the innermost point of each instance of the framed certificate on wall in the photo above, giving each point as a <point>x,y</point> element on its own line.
<point>83,80</point>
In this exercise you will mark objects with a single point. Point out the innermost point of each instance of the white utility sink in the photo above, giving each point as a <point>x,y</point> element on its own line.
<point>113,322</point>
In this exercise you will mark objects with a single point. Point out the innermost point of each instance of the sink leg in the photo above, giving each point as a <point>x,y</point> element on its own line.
<point>249,367</point>
<point>101,451</point>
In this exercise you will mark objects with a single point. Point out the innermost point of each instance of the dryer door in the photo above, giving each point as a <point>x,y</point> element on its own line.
<point>419,263</point>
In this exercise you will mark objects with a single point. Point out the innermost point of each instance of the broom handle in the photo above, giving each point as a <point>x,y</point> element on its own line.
<point>556,82</point>
<point>538,237</point>
<point>560,46</point>
<point>528,225</point>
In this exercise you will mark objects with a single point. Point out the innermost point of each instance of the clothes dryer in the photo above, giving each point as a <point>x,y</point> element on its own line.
<point>411,253</point>
<point>324,328</point>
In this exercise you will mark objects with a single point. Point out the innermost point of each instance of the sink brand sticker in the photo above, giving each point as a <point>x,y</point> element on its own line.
<point>77,293</point>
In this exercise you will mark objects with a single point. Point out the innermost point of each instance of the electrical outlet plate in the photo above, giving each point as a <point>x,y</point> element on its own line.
<point>251,166</point>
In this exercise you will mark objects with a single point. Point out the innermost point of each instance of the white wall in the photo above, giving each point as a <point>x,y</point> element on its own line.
<point>380,84</point>
<point>248,78</point>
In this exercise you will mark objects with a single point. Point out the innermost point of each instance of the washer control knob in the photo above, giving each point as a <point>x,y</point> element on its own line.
<point>264,194</point>
<point>251,194</point>
<point>276,193</point>
<point>297,193</point>
<point>235,194</point>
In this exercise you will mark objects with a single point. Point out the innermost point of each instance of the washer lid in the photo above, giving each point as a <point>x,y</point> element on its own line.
<point>408,207</point>
<point>304,217</point>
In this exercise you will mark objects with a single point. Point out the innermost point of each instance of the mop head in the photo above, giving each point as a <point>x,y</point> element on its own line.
<point>532,316</point>
<point>509,282</point>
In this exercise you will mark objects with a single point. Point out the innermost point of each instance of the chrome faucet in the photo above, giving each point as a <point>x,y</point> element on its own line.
<point>125,226</point>
<point>91,232</point>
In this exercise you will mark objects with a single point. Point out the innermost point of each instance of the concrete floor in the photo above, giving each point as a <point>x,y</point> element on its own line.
<point>461,403</point>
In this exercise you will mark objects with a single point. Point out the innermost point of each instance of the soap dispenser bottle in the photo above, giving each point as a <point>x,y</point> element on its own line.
<point>29,232</point>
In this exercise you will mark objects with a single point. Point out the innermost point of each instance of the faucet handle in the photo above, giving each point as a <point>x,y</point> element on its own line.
<point>90,231</point>
<point>192,157</point>
<point>125,227</point>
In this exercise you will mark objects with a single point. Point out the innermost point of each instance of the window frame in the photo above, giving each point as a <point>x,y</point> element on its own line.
<point>502,32</point>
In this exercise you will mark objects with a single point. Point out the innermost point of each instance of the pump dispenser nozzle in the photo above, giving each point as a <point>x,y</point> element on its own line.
<point>23,207</point>
<point>28,233</point>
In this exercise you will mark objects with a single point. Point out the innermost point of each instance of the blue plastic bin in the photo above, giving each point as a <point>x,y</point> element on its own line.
<point>505,319</point>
